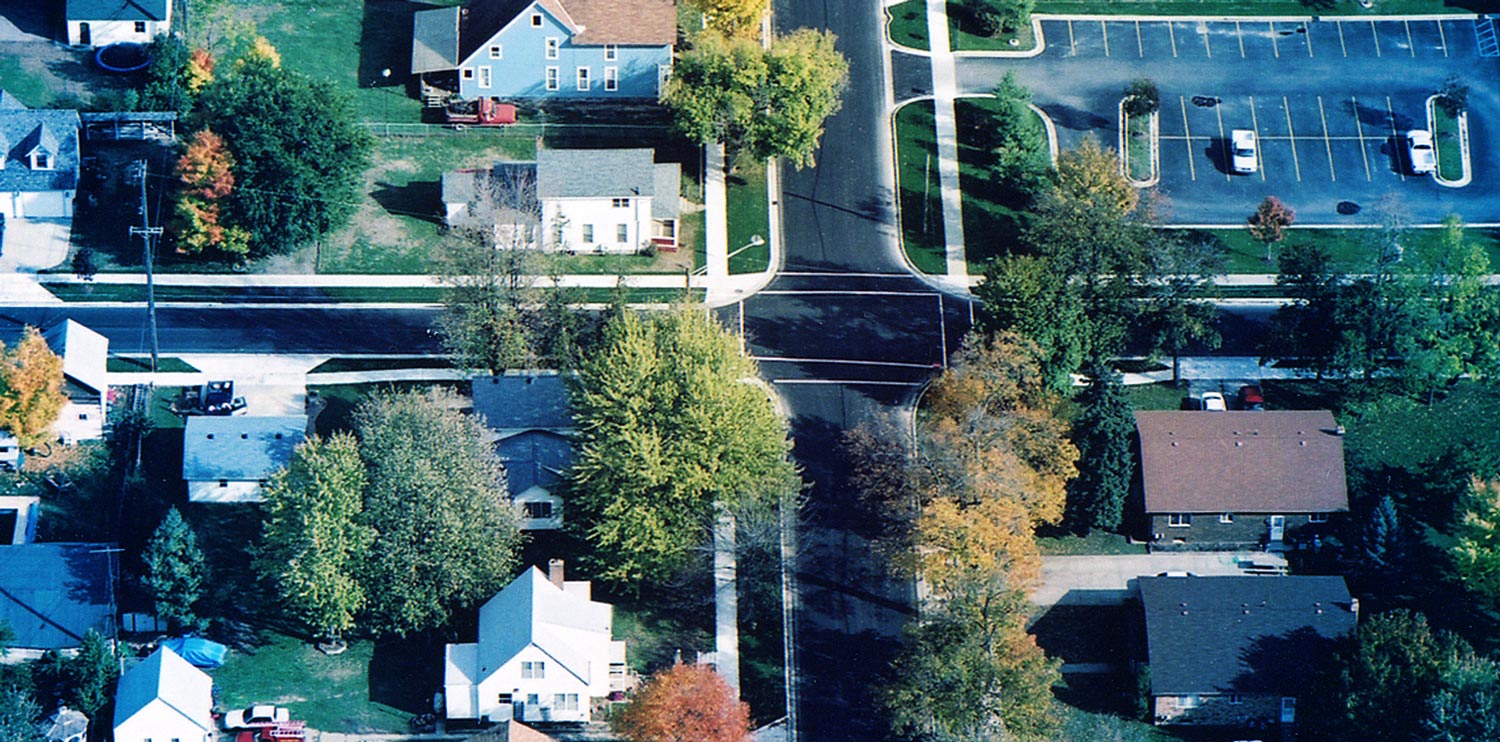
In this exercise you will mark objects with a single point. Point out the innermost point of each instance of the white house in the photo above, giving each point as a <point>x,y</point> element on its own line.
<point>105,22</point>
<point>18,516</point>
<point>533,432</point>
<point>545,649</point>
<point>586,200</point>
<point>85,357</point>
<point>229,459</point>
<point>164,698</point>
<point>38,161</point>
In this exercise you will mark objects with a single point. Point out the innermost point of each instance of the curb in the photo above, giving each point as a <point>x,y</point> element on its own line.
<point>1152,147</point>
<point>1463,146</point>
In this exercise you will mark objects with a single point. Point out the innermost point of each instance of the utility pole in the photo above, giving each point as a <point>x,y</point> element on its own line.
<point>146,232</point>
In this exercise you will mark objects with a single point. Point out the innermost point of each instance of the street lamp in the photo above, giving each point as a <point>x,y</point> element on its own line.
<point>385,75</point>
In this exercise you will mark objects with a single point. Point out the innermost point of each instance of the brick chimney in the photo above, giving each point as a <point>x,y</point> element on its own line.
<point>555,572</point>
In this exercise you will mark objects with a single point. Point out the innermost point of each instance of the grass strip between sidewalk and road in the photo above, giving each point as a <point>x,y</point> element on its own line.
<point>119,292</point>
<point>921,195</point>
<point>908,24</point>
<point>993,211</point>
<point>1450,161</point>
<point>1351,250</point>
<point>747,215</point>
<point>142,364</point>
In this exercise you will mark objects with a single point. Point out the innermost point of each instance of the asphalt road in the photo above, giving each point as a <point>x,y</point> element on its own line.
<point>1330,101</point>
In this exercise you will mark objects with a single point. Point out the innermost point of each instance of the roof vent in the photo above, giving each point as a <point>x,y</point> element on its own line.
<point>278,436</point>
<point>244,436</point>
<point>210,436</point>
<point>1339,430</point>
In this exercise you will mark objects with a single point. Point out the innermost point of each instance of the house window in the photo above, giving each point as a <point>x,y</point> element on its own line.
<point>468,74</point>
<point>552,47</point>
<point>1236,699</point>
<point>620,203</point>
<point>533,699</point>
<point>41,161</point>
<point>611,78</point>
<point>496,52</point>
<point>83,416</point>
<point>1189,702</point>
<point>588,233</point>
<point>536,20</point>
<point>565,702</point>
<point>611,52</point>
<point>484,76</point>
<point>533,670</point>
<point>537,510</point>
<point>1180,520</point>
<point>617,670</point>
<point>140,27</point>
<point>583,78</point>
<point>552,78</point>
<point>1317,517</point>
<point>1226,517</point>
<point>223,482</point>
<point>663,74</point>
<point>622,232</point>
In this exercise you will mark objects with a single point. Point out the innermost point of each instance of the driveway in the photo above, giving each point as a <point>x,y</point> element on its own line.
<point>1110,579</point>
<point>1330,101</point>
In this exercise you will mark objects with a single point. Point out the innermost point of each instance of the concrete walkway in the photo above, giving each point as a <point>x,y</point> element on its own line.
<point>726,603</point>
<point>944,89</point>
<point>715,222</point>
<point>1103,579</point>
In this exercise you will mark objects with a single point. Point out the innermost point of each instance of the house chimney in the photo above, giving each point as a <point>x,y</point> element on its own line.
<point>555,572</point>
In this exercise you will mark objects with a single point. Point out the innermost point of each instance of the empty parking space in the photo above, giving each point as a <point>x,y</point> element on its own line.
<point>1268,40</point>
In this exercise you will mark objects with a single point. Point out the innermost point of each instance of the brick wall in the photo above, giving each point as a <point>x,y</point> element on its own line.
<point>1245,531</point>
<point>1217,710</point>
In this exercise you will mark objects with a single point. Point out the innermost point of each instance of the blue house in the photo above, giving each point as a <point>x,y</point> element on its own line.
<point>545,49</point>
<point>533,429</point>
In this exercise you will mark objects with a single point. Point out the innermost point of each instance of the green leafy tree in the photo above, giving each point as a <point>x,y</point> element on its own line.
<point>1106,465</point>
<point>312,538</point>
<point>1304,329</point>
<point>1141,97</point>
<point>1476,553</point>
<point>175,571</point>
<point>1177,309</point>
<point>1457,328</point>
<point>20,716</point>
<point>1022,159</point>
<point>31,388</point>
<point>1466,707</point>
<point>1003,16</point>
<point>299,158</point>
<point>732,18</point>
<point>1022,294</point>
<point>1269,222</point>
<point>91,674</point>
<point>1453,97</point>
<point>168,76</point>
<point>670,430</point>
<point>759,102</point>
<point>443,532</point>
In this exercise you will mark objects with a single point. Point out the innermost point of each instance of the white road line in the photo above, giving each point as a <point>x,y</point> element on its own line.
<point>1072,42</point>
<point>1359,127</point>
<point>1307,37</point>
<point>804,274</point>
<point>1274,46</point>
<point>1295,163</point>
<point>1224,144</point>
<point>1105,27</point>
<point>1206,46</point>
<point>1240,34</point>
<point>1442,37</point>
<point>840,361</point>
<point>1375,35</point>
<point>1188,138</point>
<point>1341,39</point>
<point>1411,47</point>
<point>1395,139</point>
<point>838,292</point>
<point>1172,34</point>
<point>849,382</point>
<point>1260,162</point>
<point>1327,143</point>
<point>1140,46</point>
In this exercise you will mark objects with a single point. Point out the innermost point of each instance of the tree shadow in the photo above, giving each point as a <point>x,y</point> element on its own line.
<point>405,673</point>
<point>418,199</point>
<point>385,42</point>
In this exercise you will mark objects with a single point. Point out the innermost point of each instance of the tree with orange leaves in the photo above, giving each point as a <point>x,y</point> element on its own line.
<point>684,703</point>
<point>206,173</point>
<point>31,382</point>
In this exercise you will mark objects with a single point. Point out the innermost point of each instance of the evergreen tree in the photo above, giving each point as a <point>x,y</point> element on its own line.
<point>1106,465</point>
<point>1382,542</point>
<point>91,674</point>
<point>175,571</point>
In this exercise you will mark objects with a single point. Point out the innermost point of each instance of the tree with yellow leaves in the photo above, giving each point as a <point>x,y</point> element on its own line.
<point>1476,553</point>
<point>731,17</point>
<point>31,383</point>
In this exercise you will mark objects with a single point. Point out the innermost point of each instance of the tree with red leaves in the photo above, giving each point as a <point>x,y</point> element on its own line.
<point>206,174</point>
<point>1269,222</point>
<point>684,703</point>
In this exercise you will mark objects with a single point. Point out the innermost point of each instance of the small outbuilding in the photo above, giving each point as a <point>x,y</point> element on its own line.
<point>52,594</point>
<point>230,458</point>
<point>104,22</point>
<point>164,698</point>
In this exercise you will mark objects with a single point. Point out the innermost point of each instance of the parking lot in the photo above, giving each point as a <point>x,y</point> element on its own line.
<point>1330,102</point>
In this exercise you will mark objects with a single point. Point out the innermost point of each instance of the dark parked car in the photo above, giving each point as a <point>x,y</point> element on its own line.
<point>1251,399</point>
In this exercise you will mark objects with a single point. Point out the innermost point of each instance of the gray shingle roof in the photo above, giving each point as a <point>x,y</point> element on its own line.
<point>535,458</point>
<point>117,10</point>
<point>1275,461</point>
<point>52,594</point>
<point>55,131</point>
<point>1240,634</point>
<point>242,449</point>
<point>667,201</point>
<point>518,402</point>
<point>434,40</point>
<point>595,173</point>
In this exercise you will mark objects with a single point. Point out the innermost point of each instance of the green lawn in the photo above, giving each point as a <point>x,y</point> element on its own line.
<point>1350,248</point>
<point>747,214</point>
<point>908,23</point>
<point>1138,147</point>
<point>1258,7</point>
<point>366,363</point>
<point>141,364</point>
<point>921,199</point>
<point>993,211</point>
<point>1449,148</point>
<point>964,33</point>
<point>1097,542</point>
<point>1159,396</point>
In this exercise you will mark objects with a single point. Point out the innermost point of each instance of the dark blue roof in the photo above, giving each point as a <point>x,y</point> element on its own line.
<point>516,402</point>
<point>25,129</point>
<point>534,459</point>
<point>52,594</point>
<point>117,10</point>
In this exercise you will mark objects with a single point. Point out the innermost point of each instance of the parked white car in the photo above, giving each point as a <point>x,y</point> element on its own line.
<point>1419,152</point>
<point>256,717</point>
<point>1214,402</point>
<point>1242,154</point>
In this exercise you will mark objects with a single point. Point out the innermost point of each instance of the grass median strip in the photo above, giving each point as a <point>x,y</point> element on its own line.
<point>1449,149</point>
<point>1322,8</point>
<point>908,24</point>
<point>747,217</point>
<point>1138,147</point>
<point>921,195</point>
<point>1350,249</point>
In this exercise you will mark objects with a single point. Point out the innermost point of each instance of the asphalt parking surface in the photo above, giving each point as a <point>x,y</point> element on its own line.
<point>1330,102</point>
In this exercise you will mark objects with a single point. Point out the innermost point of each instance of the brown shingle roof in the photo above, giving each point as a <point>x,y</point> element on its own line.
<point>1282,461</point>
<point>645,22</point>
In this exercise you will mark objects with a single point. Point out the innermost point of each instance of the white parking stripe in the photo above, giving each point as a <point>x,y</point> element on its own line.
<point>1375,35</point>
<point>1359,127</point>
<point>1172,34</point>
<point>1409,45</point>
<point>1295,164</point>
<point>1255,124</point>
<point>1395,138</point>
<point>1274,47</point>
<point>1188,138</point>
<point>1105,28</point>
<point>1072,42</point>
<point>1203,28</point>
<point>1239,33</point>
<point>1307,37</point>
<point>1327,143</point>
<point>1341,39</point>
<point>1442,37</point>
<point>1140,47</point>
<point>1224,144</point>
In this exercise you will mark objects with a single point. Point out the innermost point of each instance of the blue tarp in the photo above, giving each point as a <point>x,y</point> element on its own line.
<point>197,651</point>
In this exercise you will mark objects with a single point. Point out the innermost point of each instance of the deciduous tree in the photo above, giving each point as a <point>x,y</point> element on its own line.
<point>31,383</point>
<point>1106,465</point>
<point>312,538</point>
<point>1303,329</point>
<point>1466,707</point>
<point>671,426</point>
<point>684,703</point>
<point>1476,553</point>
<point>1024,295</point>
<point>1269,222</point>
<point>20,715</point>
<point>732,18</point>
<point>175,571</point>
<point>205,172</point>
<point>443,532</point>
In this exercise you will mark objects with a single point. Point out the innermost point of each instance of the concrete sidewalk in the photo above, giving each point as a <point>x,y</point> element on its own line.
<point>944,90</point>
<point>1108,579</point>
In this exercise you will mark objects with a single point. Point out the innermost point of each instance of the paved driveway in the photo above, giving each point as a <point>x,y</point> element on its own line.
<point>1329,100</point>
<point>1109,579</point>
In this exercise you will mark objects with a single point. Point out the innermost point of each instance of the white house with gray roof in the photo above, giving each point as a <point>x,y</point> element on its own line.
<point>38,161</point>
<point>105,22</point>
<point>229,459</point>
<point>618,201</point>
<point>164,698</point>
<point>545,648</point>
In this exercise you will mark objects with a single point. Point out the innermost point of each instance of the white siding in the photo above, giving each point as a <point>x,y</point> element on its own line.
<point>557,679</point>
<point>160,722</point>
<point>104,33</point>
<point>80,422</point>
<point>231,491</point>
<point>564,220</point>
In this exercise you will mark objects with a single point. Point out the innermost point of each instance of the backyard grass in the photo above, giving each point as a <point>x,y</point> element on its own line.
<point>1097,542</point>
<point>964,33</point>
<point>993,211</point>
<point>1159,396</point>
<point>1449,149</point>
<point>142,364</point>
<point>1257,8</point>
<point>1350,249</point>
<point>1138,147</point>
<point>921,199</point>
<point>748,216</point>
<point>908,23</point>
